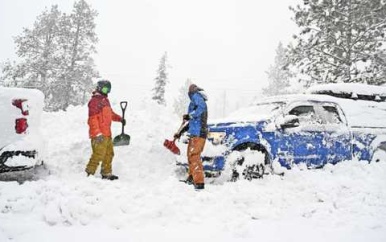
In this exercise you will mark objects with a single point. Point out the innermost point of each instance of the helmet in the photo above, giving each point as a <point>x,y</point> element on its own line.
<point>103,86</point>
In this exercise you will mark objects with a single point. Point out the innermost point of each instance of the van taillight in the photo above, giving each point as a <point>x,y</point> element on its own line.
<point>19,104</point>
<point>21,125</point>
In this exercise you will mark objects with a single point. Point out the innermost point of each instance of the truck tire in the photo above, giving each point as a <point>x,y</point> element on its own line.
<point>248,165</point>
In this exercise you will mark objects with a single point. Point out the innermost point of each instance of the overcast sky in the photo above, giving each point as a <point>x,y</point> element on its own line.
<point>220,44</point>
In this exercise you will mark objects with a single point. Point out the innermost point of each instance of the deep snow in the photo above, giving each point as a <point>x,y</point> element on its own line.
<point>346,202</point>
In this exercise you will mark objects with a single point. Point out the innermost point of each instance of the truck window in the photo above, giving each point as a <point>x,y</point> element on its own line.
<point>306,114</point>
<point>331,115</point>
<point>302,111</point>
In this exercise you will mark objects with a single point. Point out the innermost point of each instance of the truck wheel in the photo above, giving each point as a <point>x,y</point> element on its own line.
<point>255,171</point>
<point>249,165</point>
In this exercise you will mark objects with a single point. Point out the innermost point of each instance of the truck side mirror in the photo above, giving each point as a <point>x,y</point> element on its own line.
<point>289,121</point>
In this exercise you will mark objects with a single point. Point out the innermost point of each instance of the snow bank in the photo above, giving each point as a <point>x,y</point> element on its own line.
<point>346,202</point>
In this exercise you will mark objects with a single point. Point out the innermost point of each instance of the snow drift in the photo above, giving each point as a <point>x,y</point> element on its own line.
<point>346,202</point>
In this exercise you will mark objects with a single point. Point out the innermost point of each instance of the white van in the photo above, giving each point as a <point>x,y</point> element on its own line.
<point>21,143</point>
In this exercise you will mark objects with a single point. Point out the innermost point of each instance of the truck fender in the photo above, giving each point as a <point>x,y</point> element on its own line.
<point>378,143</point>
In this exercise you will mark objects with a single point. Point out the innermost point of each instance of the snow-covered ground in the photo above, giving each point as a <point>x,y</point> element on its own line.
<point>346,202</point>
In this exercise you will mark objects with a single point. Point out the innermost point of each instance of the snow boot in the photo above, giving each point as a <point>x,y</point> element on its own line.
<point>110,177</point>
<point>88,173</point>
<point>188,180</point>
<point>199,186</point>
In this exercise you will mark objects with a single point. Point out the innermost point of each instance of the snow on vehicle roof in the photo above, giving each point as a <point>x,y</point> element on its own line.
<point>350,90</point>
<point>295,97</point>
<point>266,107</point>
<point>21,92</point>
<point>359,113</point>
<point>363,104</point>
<point>362,113</point>
<point>358,88</point>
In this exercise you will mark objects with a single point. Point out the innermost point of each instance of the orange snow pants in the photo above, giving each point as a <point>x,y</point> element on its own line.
<point>104,152</point>
<point>195,147</point>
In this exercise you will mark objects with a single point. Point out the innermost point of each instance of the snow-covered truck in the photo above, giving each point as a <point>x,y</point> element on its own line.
<point>308,129</point>
<point>21,143</point>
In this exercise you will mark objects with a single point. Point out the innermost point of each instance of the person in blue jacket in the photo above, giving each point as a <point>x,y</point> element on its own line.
<point>197,130</point>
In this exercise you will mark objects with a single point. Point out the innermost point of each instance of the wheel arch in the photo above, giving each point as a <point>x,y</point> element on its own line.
<point>254,146</point>
<point>378,143</point>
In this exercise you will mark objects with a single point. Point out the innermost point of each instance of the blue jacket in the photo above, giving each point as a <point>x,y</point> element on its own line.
<point>198,113</point>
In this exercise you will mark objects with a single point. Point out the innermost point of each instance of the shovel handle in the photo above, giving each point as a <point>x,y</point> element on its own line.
<point>183,125</point>
<point>123,107</point>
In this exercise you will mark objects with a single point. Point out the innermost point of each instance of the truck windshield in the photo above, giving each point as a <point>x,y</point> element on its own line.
<point>258,111</point>
<point>254,113</point>
<point>269,108</point>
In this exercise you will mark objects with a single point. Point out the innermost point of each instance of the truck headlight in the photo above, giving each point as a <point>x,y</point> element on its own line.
<point>216,137</point>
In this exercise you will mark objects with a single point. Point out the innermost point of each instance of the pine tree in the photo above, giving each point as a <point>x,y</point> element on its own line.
<point>278,74</point>
<point>56,56</point>
<point>160,81</point>
<point>340,41</point>
<point>182,101</point>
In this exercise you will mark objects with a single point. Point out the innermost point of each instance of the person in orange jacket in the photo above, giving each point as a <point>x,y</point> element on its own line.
<point>100,117</point>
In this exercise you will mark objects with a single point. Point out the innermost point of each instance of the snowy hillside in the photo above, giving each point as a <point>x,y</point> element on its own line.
<point>346,202</point>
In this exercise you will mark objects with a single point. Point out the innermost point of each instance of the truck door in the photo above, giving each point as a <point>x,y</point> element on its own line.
<point>338,136</point>
<point>304,143</point>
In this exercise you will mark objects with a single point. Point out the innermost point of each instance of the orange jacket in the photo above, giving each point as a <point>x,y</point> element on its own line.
<point>100,116</point>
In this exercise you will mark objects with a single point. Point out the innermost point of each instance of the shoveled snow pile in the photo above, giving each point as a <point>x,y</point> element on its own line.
<point>346,202</point>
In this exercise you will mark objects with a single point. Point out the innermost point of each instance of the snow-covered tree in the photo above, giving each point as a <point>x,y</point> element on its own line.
<point>55,56</point>
<point>182,101</point>
<point>160,81</point>
<point>340,41</point>
<point>278,74</point>
<point>77,46</point>
<point>37,49</point>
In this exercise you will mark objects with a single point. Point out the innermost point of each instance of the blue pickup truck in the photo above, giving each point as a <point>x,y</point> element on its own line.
<point>307,129</point>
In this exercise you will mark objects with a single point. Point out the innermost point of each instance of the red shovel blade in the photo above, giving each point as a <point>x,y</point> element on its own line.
<point>171,145</point>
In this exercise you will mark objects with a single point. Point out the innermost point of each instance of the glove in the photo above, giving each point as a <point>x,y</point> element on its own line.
<point>98,139</point>
<point>123,121</point>
<point>177,136</point>
<point>186,117</point>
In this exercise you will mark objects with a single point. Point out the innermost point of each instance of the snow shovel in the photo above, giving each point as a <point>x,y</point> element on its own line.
<point>171,145</point>
<point>122,139</point>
